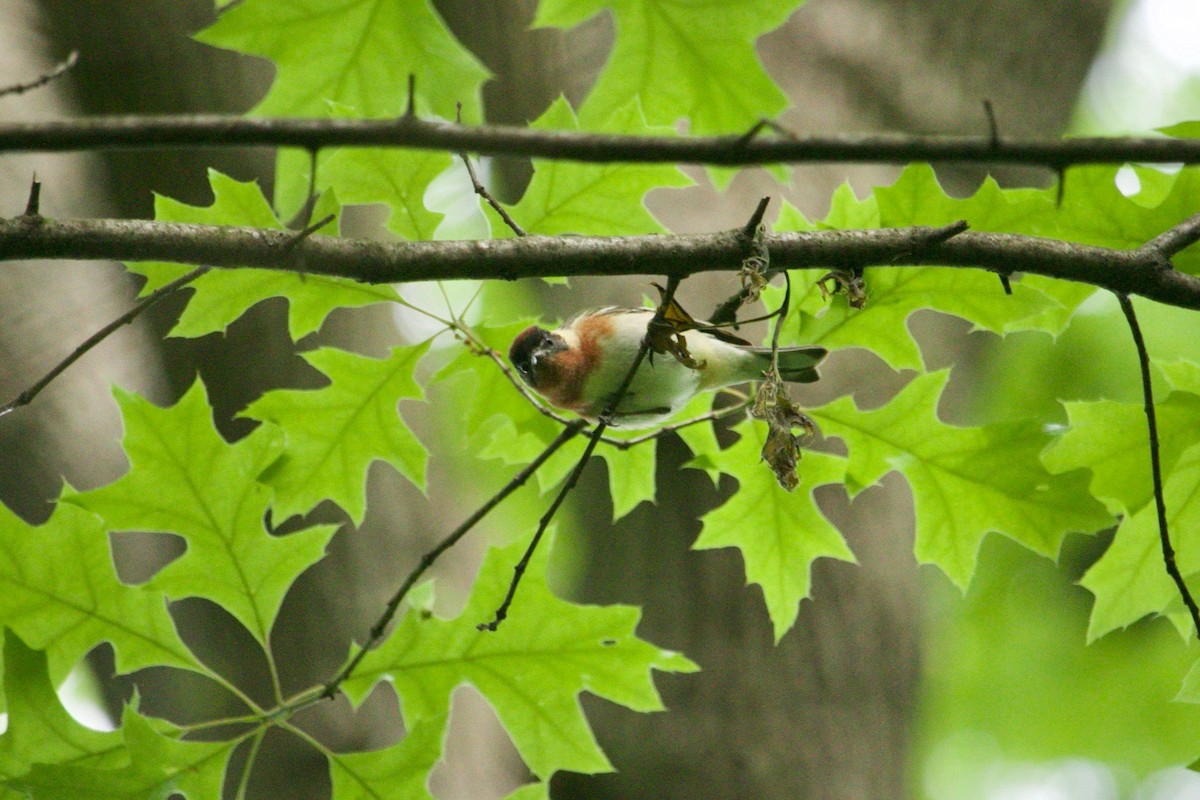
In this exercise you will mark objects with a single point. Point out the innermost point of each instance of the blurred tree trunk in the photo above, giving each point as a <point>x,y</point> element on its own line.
<point>827,712</point>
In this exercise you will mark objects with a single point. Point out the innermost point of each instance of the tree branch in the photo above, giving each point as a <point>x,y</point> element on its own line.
<point>1160,503</point>
<point>140,132</point>
<point>56,72</point>
<point>1140,271</point>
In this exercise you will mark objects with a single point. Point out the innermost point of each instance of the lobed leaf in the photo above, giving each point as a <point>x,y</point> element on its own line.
<point>160,766</point>
<point>693,61</point>
<point>40,731</point>
<point>531,669</point>
<point>332,435</point>
<point>779,533</point>
<point>1130,580</point>
<point>607,199</point>
<point>185,479</point>
<point>965,481</point>
<point>60,593</point>
<point>401,770</point>
<point>222,296</point>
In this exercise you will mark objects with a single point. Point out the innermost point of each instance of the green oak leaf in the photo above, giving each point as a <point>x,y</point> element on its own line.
<point>630,474</point>
<point>683,60</point>
<point>396,178</point>
<point>159,767</point>
<point>1111,439</point>
<point>354,56</point>
<point>916,198</point>
<point>334,434</point>
<point>893,294</point>
<point>401,770</point>
<point>185,479</point>
<point>222,296</point>
<point>701,438</point>
<point>357,53</point>
<point>1130,579</point>
<point>1183,130</point>
<point>530,791</point>
<point>603,199</point>
<point>531,669</point>
<point>60,593</point>
<point>39,729</point>
<point>632,470</point>
<point>780,533</point>
<point>1095,211</point>
<point>1037,303</point>
<point>965,481</point>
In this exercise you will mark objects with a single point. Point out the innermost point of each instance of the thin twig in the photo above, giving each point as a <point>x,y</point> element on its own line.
<point>427,560</point>
<point>993,127</point>
<point>1175,239</point>
<point>543,524</point>
<point>27,396</point>
<point>783,312</point>
<point>712,416</point>
<point>60,69</point>
<point>1155,462</point>
<point>482,191</point>
<point>308,230</point>
<point>573,478</point>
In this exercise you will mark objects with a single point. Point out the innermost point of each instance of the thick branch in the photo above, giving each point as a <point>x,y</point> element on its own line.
<point>1140,271</point>
<point>102,133</point>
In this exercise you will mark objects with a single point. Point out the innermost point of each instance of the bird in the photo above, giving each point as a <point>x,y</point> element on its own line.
<point>581,365</point>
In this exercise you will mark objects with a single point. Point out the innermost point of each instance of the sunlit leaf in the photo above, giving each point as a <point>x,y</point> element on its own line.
<point>185,479</point>
<point>531,669</point>
<point>332,435</point>
<point>779,533</point>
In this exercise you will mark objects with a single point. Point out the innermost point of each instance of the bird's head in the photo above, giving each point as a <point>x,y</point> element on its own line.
<point>531,348</point>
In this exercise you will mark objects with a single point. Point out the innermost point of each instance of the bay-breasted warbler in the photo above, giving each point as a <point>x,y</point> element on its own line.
<point>581,366</point>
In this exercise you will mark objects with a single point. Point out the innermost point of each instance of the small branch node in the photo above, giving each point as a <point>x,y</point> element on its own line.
<point>410,109</point>
<point>750,230</point>
<point>945,233</point>
<point>993,127</point>
<point>308,230</point>
<point>759,127</point>
<point>1005,282</point>
<point>33,204</point>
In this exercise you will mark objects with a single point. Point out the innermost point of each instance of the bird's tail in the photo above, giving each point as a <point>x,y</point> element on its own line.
<point>796,364</point>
